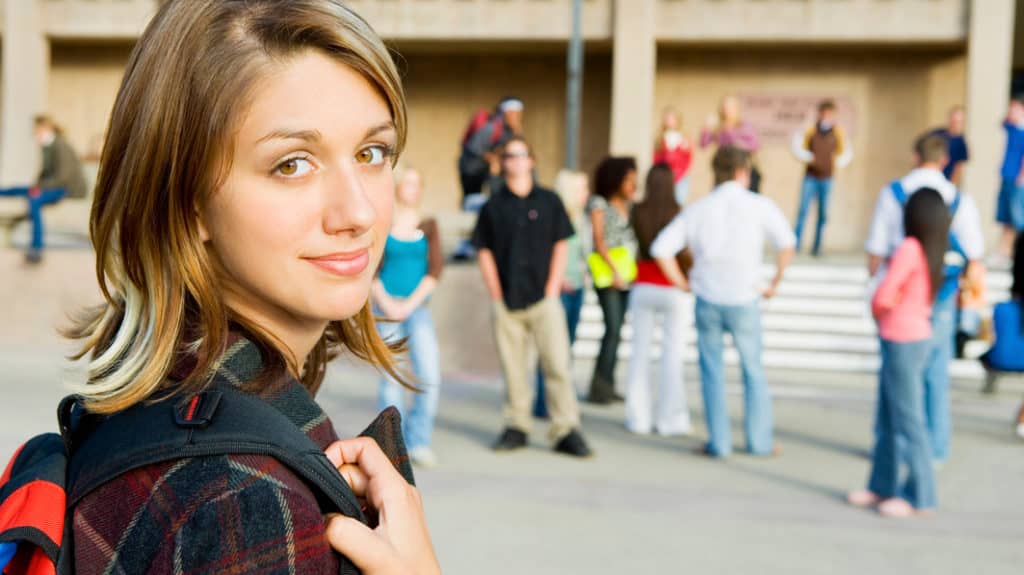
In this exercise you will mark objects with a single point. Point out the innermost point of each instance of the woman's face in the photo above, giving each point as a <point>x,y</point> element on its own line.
<point>299,224</point>
<point>582,191</point>
<point>670,121</point>
<point>730,109</point>
<point>409,189</point>
<point>628,187</point>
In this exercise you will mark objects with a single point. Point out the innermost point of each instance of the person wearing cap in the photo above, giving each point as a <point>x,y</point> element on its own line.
<point>478,163</point>
<point>479,148</point>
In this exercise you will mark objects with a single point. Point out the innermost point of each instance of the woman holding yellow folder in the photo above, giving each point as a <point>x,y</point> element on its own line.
<point>612,265</point>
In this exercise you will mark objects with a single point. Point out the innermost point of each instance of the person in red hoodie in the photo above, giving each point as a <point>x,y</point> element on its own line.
<point>674,150</point>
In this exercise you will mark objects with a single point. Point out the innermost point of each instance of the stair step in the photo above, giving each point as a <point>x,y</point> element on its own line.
<point>818,321</point>
<point>783,359</point>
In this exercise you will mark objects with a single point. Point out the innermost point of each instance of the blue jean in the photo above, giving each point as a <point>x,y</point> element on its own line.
<point>573,304</point>
<point>425,357</point>
<point>813,190</point>
<point>902,436</point>
<point>35,209</point>
<point>1010,205</point>
<point>744,323</point>
<point>936,376</point>
<point>935,392</point>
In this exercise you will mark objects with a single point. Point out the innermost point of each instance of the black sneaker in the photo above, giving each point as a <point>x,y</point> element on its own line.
<point>606,398</point>
<point>573,444</point>
<point>510,440</point>
<point>33,257</point>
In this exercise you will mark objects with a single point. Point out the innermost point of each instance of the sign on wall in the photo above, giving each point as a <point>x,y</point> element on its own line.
<point>776,117</point>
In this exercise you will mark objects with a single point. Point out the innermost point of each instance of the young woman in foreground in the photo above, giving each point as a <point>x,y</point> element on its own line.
<point>242,206</point>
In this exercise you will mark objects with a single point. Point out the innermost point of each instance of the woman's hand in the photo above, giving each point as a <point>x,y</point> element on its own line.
<point>400,310</point>
<point>400,543</point>
<point>617,281</point>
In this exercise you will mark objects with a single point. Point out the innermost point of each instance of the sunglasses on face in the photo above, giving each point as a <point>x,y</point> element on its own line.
<point>512,155</point>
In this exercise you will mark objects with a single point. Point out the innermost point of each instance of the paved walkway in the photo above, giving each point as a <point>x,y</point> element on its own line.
<point>643,505</point>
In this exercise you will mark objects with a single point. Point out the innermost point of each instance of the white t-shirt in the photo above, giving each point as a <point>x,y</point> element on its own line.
<point>725,232</point>
<point>886,231</point>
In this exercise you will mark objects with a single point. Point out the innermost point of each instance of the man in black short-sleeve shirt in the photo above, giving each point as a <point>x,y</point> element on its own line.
<point>521,237</point>
<point>521,233</point>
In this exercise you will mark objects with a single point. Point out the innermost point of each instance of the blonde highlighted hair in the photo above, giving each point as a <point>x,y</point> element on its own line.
<point>188,81</point>
<point>567,185</point>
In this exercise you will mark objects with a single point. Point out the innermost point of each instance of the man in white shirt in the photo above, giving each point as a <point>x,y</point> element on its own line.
<point>725,233</point>
<point>886,233</point>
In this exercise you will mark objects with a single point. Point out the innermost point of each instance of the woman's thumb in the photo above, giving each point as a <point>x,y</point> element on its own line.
<point>358,543</point>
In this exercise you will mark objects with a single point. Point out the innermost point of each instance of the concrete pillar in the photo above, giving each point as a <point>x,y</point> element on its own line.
<point>26,66</point>
<point>633,75</point>
<point>989,61</point>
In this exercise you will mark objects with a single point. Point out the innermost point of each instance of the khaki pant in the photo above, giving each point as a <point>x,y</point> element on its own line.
<point>544,324</point>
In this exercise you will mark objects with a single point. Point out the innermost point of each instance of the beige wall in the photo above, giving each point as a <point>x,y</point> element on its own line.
<point>1018,37</point>
<point>445,89</point>
<point>83,85</point>
<point>895,97</point>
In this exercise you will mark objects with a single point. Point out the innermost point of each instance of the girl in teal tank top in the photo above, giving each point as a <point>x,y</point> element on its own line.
<point>408,276</point>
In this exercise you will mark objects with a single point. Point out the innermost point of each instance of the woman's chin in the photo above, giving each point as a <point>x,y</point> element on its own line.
<point>342,311</point>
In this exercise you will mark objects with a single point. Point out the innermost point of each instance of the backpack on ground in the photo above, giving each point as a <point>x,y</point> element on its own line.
<point>51,473</point>
<point>955,258</point>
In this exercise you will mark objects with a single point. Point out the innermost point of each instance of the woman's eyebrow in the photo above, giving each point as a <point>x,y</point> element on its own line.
<point>315,135</point>
<point>382,127</point>
<point>289,134</point>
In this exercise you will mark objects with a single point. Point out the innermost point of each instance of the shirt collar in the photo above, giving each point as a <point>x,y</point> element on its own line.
<point>243,362</point>
<point>730,187</point>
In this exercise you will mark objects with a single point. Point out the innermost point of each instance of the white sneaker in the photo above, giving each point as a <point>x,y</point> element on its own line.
<point>1020,430</point>
<point>423,457</point>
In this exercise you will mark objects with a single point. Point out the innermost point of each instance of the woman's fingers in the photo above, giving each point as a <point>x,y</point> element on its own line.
<point>365,453</point>
<point>359,543</point>
<point>400,544</point>
<point>334,455</point>
<point>382,480</point>
<point>356,479</point>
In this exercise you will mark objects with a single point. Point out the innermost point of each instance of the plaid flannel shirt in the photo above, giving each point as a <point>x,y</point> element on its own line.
<point>225,513</point>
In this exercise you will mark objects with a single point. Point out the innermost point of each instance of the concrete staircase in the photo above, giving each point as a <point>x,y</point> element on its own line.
<point>819,320</point>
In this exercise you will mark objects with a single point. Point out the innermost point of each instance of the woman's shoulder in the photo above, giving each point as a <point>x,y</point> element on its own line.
<point>909,247</point>
<point>209,510</point>
<point>596,203</point>
<point>428,225</point>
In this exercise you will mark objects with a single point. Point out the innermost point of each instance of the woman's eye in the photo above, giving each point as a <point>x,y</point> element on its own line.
<point>294,167</point>
<point>373,155</point>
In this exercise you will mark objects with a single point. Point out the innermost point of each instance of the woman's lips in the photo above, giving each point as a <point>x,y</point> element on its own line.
<point>343,264</point>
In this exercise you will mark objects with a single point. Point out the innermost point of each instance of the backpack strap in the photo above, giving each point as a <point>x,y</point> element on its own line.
<point>221,420</point>
<point>497,130</point>
<point>218,421</point>
<point>898,192</point>
<point>955,205</point>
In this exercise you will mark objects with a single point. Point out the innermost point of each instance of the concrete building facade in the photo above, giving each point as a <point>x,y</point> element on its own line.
<point>894,66</point>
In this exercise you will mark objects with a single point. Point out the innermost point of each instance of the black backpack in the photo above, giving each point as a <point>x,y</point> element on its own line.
<point>49,475</point>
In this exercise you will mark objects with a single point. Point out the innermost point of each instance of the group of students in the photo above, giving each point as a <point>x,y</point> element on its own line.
<point>612,241</point>
<point>924,244</point>
<point>536,246</point>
